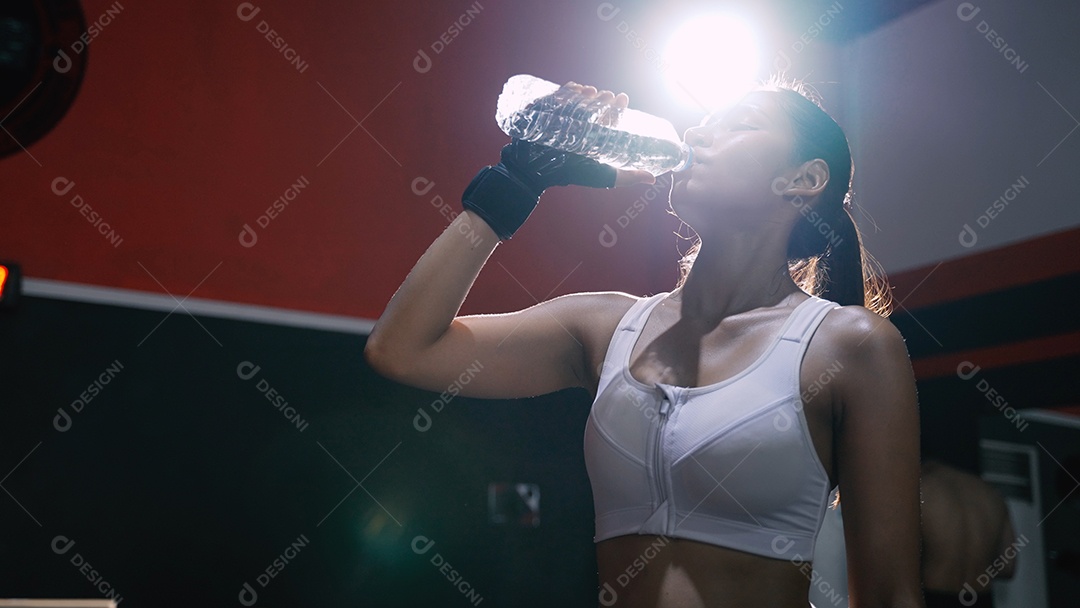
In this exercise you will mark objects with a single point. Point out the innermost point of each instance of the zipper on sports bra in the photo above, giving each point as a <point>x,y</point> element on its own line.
<point>658,449</point>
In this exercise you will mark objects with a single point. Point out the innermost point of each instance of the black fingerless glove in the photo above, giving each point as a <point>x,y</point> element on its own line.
<point>505,195</point>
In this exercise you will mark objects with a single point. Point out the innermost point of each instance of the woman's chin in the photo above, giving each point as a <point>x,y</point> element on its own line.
<point>678,185</point>
<point>680,206</point>
<point>682,194</point>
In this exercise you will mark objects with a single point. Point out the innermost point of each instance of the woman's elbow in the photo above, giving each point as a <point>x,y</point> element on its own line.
<point>379,358</point>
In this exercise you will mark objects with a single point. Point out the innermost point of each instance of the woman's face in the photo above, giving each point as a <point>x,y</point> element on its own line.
<point>737,157</point>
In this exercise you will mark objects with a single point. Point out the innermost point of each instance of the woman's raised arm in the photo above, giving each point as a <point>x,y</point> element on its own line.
<point>420,341</point>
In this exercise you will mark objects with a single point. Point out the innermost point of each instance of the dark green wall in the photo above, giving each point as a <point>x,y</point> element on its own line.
<point>179,481</point>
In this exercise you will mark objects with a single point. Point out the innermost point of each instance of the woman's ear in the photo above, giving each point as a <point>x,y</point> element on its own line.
<point>810,179</point>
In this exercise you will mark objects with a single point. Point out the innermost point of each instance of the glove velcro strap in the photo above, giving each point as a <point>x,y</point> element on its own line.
<point>501,199</point>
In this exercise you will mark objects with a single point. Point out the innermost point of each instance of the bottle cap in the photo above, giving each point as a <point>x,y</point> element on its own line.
<point>688,158</point>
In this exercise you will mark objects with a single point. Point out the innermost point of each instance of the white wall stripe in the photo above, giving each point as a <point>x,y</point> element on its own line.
<point>78,292</point>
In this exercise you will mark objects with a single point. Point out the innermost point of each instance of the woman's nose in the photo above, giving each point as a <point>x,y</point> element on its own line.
<point>695,136</point>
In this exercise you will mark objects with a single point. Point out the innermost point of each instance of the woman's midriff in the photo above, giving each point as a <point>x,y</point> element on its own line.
<point>647,571</point>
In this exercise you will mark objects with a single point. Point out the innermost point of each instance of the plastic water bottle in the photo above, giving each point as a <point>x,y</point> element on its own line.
<point>626,139</point>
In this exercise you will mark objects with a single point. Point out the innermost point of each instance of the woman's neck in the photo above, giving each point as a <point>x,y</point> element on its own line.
<point>733,274</point>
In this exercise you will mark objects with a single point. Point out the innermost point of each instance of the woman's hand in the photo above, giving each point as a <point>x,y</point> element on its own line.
<point>604,108</point>
<point>629,177</point>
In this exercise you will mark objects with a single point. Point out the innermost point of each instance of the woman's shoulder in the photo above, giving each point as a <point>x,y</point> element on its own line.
<point>602,302</point>
<point>857,333</point>
<point>596,314</point>
<point>865,357</point>
<point>596,311</point>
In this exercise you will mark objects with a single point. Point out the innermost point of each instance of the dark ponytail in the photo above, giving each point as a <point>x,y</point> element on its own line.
<point>825,252</point>
<point>827,260</point>
<point>842,265</point>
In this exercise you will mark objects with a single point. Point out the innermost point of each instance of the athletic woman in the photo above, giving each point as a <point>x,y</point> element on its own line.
<point>726,411</point>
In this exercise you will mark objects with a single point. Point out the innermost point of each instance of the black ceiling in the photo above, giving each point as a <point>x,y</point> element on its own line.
<point>855,17</point>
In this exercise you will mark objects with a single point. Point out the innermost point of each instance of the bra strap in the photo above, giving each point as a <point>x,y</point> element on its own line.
<point>806,319</point>
<point>634,319</point>
<point>625,336</point>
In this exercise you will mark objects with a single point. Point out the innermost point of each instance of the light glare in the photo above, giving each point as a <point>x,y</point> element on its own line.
<point>712,61</point>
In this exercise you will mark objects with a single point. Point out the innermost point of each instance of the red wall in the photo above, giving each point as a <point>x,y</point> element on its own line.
<point>189,124</point>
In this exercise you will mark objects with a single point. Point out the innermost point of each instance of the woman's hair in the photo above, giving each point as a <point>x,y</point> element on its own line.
<point>825,252</point>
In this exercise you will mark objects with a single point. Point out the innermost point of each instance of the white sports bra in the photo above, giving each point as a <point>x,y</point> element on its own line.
<point>730,464</point>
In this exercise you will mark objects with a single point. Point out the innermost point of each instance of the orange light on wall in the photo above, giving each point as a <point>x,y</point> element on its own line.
<point>10,284</point>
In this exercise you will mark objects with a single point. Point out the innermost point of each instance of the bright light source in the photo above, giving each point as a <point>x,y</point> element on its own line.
<point>712,60</point>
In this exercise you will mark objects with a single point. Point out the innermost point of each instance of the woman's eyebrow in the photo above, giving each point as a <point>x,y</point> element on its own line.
<point>737,112</point>
<point>758,111</point>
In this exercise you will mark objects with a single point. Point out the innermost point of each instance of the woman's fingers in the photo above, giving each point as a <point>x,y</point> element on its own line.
<point>629,177</point>
<point>621,100</point>
<point>593,105</point>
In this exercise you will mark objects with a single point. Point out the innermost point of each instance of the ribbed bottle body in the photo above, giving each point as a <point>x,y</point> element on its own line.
<point>627,139</point>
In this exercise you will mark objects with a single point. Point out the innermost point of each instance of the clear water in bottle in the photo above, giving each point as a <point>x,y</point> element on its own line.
<point>529,109</point>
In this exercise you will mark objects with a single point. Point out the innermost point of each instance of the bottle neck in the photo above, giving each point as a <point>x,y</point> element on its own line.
<point>687,155</point>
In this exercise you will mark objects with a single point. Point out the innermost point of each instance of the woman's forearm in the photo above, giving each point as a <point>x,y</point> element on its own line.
<point>431,296</point>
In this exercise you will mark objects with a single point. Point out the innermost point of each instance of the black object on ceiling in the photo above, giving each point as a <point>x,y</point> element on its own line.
<point>42,62</point>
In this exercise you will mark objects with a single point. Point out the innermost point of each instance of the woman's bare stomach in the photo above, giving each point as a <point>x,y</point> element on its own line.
<point>647,571</point>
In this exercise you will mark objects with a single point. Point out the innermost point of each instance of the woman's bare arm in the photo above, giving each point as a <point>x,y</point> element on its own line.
<point>418,340</point>
<point>877,445</point>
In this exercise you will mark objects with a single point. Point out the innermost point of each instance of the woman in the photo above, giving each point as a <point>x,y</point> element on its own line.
<point>710,476</point>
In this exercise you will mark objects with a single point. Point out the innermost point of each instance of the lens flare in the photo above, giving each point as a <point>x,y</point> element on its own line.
<point>712,60</point>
